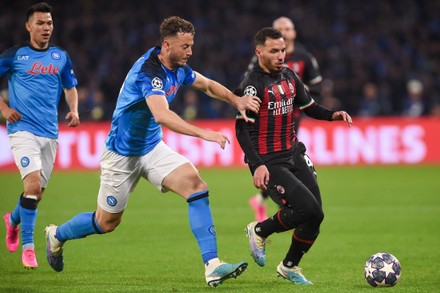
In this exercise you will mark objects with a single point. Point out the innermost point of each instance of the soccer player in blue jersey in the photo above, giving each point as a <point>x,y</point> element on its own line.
<point>37,73</point>
<point>134,149</point>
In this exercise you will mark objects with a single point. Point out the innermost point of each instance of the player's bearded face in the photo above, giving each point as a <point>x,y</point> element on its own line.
<point>40,28</point>
<point>272,55</point>
<point>181,49</point>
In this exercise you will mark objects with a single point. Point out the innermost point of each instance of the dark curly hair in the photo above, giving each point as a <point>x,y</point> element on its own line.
<point>172,25</point>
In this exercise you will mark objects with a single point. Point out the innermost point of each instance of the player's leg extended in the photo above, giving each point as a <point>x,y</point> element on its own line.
<point>112,200</point>
<point>299,207</point>
<point>258,232</point>
<point>185,180</point>
<point>303,212</point>
<point>80,226</point>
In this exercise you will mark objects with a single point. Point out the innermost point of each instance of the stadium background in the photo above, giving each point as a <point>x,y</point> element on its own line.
<point>368,208</point>
<point>355,43</point>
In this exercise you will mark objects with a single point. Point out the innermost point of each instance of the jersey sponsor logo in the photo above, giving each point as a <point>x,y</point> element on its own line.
<point>157,83</point>
<point>22,57</point>
<point>56,55</point>
<point>39,68</point>
<point>24,162</point>
<point>250,91</point>
<point>281,107</point>
<point>281,101</point>
<point>111,200</point>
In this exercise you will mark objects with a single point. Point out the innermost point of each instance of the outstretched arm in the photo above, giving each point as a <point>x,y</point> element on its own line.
<point>319,112</point>
<point>163,115</point>
<point>217,91</point>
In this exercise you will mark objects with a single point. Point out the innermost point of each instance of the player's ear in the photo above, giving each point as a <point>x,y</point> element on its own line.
<point>258,52</point>
<point>166,44</point>
<point>28,26</point>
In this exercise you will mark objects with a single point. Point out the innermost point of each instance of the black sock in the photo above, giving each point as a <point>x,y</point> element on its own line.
<point>28,203</point>
<point>296,251</point>
<point>270,226</point>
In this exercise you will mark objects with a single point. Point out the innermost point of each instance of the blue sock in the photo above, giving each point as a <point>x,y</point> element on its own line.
<point>80,226</point>
<point>202,225</point>
<point>28,216</point>
<point>15,214</point>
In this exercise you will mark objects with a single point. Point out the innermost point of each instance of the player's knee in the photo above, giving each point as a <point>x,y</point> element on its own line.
<point>319,216</point>
<point>32,186</point>
<point>108,227</point>
<point>313,212</point>
<point>198,184</point>
<point>33,193</point>
<point>202,185</point>
<point>312,227</point>
<point>287,218</point>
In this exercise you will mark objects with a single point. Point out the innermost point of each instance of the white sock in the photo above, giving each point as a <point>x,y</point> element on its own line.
<point>212,263</point>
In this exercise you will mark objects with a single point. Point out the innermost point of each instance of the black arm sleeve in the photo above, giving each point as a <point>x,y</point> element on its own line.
<point>319,112</point>
<point>252,158</point>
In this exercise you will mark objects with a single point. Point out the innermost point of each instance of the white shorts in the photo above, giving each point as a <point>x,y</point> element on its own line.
<point>120,174</point>
<point>32,153</point>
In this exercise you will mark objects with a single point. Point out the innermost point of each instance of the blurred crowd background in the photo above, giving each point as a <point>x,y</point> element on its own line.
<point>377,57</point>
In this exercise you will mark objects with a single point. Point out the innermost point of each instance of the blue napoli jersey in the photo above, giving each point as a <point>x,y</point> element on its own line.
<point>134,131</point>
<point>36,79</point>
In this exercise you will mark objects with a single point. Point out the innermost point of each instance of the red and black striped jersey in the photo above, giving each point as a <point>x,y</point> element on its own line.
<point>305,65</point>
<point>270,133</point>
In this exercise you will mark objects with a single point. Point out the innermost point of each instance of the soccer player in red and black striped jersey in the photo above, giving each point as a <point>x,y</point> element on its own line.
<point>305,65</point>
<point>298,59</point>
<point>276,159</point>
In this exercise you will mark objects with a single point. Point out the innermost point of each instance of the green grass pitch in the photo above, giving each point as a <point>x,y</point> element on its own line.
<point>393,209</point>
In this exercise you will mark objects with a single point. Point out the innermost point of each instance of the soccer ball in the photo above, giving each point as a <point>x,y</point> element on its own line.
<point>382,270</point>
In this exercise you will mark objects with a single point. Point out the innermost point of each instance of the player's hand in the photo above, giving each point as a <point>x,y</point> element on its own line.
<point>342,115</point>
<point>217,137</point>
<point>74,119</point>
<point>251,103</point>
<point>11,115</point>
<point>261,177</point>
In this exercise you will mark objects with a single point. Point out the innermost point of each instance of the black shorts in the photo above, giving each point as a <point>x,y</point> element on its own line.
<point>294,182</point>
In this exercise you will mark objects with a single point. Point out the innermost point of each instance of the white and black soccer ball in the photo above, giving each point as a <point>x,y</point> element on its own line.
<point>382,270</point>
